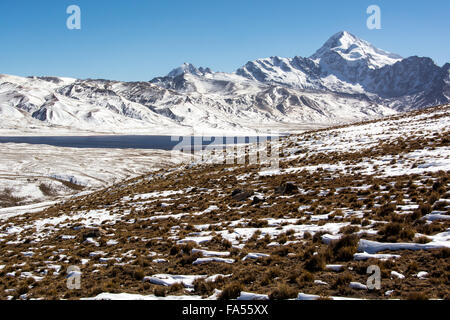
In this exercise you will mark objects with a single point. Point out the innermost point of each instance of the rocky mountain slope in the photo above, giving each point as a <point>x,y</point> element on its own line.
<point>346,64</point>
<point>347,79</point>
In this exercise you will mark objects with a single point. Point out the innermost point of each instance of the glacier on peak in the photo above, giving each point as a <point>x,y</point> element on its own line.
<point>188,68</point>
<point>351,48</point>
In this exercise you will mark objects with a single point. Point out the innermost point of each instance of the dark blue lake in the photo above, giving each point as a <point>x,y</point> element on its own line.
<point>131,141</point>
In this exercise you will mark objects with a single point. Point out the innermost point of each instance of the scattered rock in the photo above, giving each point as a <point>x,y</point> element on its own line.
<point>257,200</point>
<point>93,233</point>
<point>287,188</point>
<point>241,195</point>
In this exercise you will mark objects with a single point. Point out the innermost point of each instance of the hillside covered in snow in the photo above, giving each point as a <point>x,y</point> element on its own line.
<point>343,199</point>
<point>347,79</point>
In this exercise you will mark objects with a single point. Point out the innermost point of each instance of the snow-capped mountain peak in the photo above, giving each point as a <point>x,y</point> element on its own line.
<point>188,68</point>
<point>353,49</point>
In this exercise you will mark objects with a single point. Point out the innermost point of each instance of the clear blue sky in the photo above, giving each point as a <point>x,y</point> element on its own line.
<point>141,39</point>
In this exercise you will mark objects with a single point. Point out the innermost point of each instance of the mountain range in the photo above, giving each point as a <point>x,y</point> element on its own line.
<point>347,79</point>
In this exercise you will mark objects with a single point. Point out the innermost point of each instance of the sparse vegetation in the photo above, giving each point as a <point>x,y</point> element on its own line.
<point>283,292</point>
<point>47,190</point>
<point>72,185</point>
<point>149,226</point>
<point>7,199</point>
<point>344,248</point>
<point>315,263</point>
<point>231,291</point>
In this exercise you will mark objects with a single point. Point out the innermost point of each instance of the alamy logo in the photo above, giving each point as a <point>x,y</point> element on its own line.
<point>73,278</point>
<point>74,20</point>
<point>374,281</point>
<point>374,21</point>
<point>262,150</point>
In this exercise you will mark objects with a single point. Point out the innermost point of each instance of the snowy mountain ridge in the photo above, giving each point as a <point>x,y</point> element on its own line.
<point>354,49</point>
<point>347,79</point>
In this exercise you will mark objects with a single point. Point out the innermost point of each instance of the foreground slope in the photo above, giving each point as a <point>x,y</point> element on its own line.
<point>343,199</point>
